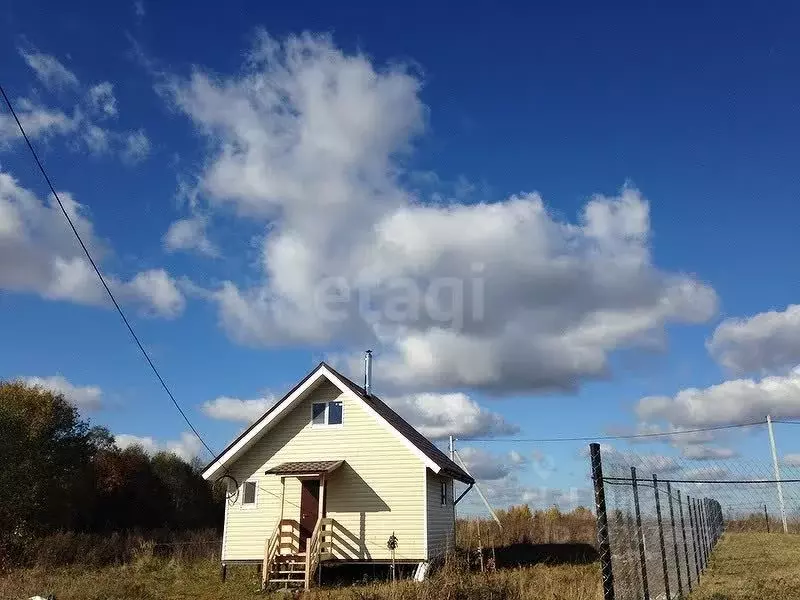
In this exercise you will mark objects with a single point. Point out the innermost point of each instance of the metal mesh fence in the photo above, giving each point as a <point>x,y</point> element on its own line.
<point>659,518</point>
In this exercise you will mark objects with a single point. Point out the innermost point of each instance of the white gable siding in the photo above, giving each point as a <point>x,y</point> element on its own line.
<point>441,518</point>
<point>376,492</point>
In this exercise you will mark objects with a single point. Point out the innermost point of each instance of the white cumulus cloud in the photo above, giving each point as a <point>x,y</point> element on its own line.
<point>102,100</point>
<point>488,466</point>
<point>190,234</point>
<point>504,295</point>
<point>79,124</point>
<point>791,460</point>
<point>50,71</point>
<point>88,397</point>
<point>157,290</point>
<point>39,254</point>
<point>187,447</point>
<point>730,402</point>
<point>38,122</point>
<point>226,408</point>
<point>146,443</point>
<point>96,138</point>
<point>766,341</point>
<point>714,473</point>
<point>705,452</point>
<point>136,147</point>
<point>438,416</point>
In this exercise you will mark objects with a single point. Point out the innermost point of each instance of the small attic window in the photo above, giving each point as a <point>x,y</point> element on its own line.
<point>318,413</point>
<point>334,413</point>
<point>326,413</point>
<point>444,493</point>
<point>249,493</point>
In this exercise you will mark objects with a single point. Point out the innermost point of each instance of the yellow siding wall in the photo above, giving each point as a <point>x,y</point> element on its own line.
<point>441,518</point>
<point>379,489</point>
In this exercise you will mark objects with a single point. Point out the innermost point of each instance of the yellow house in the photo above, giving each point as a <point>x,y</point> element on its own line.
<point>328,475</point>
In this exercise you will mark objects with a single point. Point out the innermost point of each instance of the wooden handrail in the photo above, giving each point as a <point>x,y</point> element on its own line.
<point>293,522</point>
<point>274,544</point>
<point>317,544</point>
<point>314,547</point>
<point>293,535</point>
<point>270,549</point>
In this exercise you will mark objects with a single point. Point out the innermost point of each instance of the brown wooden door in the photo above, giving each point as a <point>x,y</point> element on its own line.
<point>309,509</point>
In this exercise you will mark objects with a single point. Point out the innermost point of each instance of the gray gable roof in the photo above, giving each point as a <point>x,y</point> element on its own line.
<point>423,444</point>
<point>427,447</point>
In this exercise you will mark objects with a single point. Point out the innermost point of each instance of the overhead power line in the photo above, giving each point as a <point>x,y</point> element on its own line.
<point>628,480</point>
<point>100,275</point>
<point>599,438</point>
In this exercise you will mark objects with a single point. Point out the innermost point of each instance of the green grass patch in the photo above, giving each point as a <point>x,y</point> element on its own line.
<point>745,566</point>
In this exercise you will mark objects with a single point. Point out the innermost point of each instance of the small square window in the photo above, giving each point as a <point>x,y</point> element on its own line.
<point>318,413</point>
<point>334,413</point>
<point>249,493</point>
<point>326,413</point>
<point>444,493</point>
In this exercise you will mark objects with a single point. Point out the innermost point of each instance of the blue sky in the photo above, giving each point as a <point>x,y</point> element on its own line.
<point>624,177</point>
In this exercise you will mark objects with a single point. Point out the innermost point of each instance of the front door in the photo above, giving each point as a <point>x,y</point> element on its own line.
<point>309,509</point>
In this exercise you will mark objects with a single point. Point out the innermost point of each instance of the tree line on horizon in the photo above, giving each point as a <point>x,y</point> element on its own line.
<point>60,473</point>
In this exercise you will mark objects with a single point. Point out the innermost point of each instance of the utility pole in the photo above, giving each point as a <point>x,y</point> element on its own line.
<point>480,493</point>
<point>453,494</point>
<point>777,473</point>
<point>453,490</point>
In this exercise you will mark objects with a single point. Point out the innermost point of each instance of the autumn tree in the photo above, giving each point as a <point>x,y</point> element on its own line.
<point>46,450</point>
<point>62,474</point>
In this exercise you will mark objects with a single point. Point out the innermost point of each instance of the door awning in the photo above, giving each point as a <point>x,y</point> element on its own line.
<point>313,467</point>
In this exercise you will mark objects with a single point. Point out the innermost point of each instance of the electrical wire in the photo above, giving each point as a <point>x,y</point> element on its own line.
<point>100,275</point>
<point>628,481</point>
<point>622,437</point>
<point>183,414</point>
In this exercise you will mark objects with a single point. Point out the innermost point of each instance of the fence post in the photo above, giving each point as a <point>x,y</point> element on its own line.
<point>685,543</point>
<point>603,540</point>
<point>712,526</point>
<point>661,537</point>
<point>693,528</point>
<point>766,517</point>
<point>712,516</point>
<point>704,521</point>
<point>699,522</point>
<point>717,521</point>
<point>674,541</point>
<point>640,534</point>
<point>699,528</point>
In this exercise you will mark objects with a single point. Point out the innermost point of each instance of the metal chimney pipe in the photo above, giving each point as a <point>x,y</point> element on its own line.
<point>368,372</point>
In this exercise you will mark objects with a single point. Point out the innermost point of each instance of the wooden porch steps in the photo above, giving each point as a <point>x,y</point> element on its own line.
<point>288,570</point>
<point>298,568</point>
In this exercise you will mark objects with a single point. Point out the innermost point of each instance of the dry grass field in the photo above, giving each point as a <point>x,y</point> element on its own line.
<point>132,567</point>
<point>753,566</point>
<point>159,579</point>
<point>743,566</point>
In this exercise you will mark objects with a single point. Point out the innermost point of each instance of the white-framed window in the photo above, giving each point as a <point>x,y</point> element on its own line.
<point>444,492</point>
<point>327,413</point>
<point>249,494</point>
